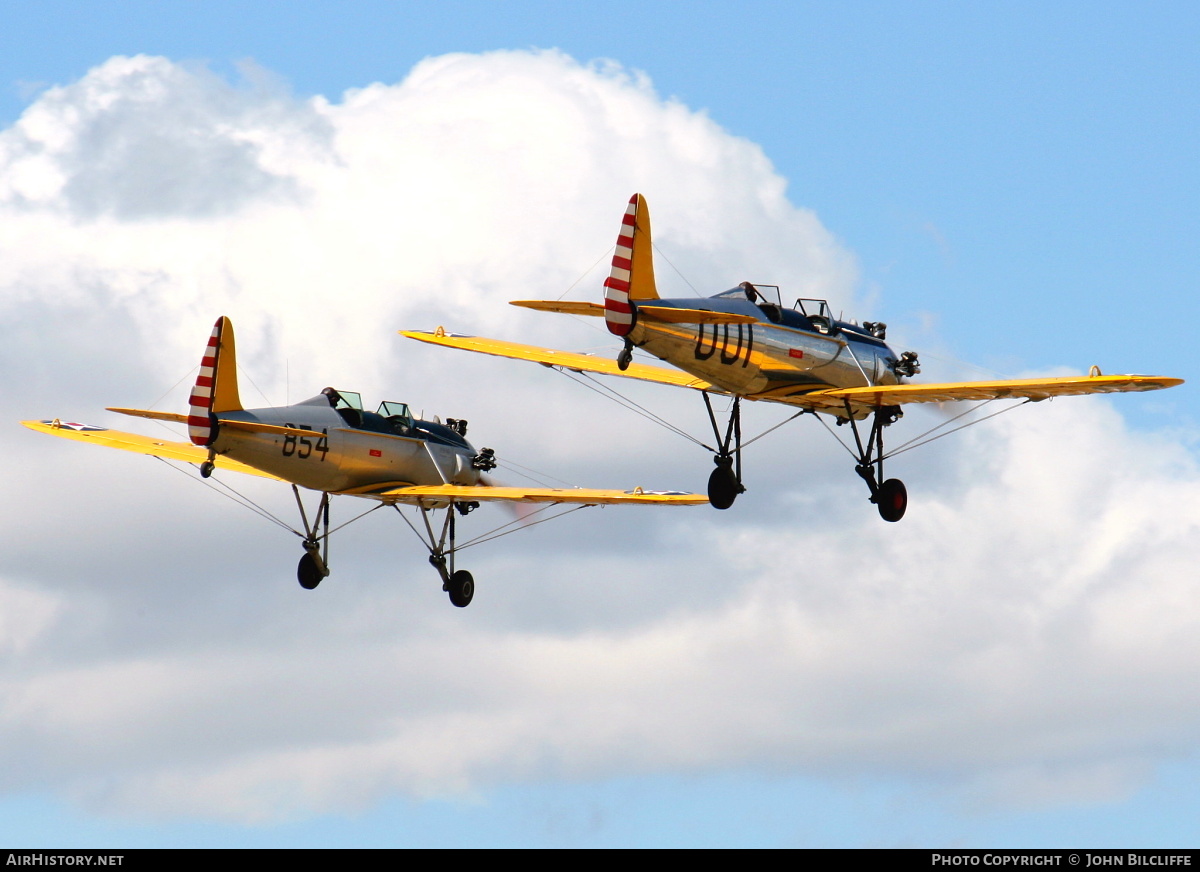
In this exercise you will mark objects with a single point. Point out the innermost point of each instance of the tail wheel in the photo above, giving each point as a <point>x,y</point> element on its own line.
<point>308,572</point>
<point>892,499</point>
<point>461,589</point>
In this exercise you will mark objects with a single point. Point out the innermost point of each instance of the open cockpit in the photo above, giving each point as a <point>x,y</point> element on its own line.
<point>808,314</point>
<point>393,419</point>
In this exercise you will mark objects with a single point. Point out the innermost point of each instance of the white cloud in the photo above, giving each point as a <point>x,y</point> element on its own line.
<point>1025,629</point>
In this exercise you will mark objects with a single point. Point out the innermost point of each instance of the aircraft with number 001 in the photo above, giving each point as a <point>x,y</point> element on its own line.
<point>746,344</point>
<point>330,444</point>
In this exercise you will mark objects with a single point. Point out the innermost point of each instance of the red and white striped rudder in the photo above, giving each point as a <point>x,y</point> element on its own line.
<point>618,312</point>
<point>632,274</point>
<point>216,386</point>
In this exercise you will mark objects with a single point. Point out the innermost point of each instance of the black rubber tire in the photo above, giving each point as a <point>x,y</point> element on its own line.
<point>462,589</point>
<point>308,572</point>
<point>624,359</point>
<point>722,487</point>
<point>892,500</point>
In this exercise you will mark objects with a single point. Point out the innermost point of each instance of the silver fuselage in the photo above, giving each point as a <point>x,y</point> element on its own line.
<point>346,458</point>
<point>766,360</point>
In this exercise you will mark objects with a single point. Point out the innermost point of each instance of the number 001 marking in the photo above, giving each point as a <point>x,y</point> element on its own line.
<point>721,340</point>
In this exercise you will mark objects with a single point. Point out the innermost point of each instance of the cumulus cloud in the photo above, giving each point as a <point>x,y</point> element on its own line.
<point>161,659</point>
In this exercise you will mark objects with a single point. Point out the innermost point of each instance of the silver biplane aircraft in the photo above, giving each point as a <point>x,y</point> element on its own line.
<point>745,343</point>
<point>330,444</point>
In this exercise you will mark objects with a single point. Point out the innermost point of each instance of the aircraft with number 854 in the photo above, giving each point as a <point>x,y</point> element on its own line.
<point>746,344</point>
<point>332,445</point>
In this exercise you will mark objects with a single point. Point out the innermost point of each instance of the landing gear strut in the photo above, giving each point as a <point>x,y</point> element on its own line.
<point>313,567</point>
<point>458,584</point>
<point>889,496</point>
<point>208,466</point>
<point>725,482</point>
<point>625,357</point>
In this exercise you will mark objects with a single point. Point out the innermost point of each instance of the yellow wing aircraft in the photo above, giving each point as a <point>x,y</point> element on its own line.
<point>332,445</point>
<point>746,344</point>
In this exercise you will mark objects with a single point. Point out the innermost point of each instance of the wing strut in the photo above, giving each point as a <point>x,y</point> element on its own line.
<point>314,565</point>
<point>889,495</point>
<point>460,585</point>
<point>725,482</point>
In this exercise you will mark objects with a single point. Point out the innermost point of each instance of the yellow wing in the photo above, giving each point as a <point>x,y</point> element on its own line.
<point>577,496</point>
<point>565,359</point>
<point>834,399</point>
<point>139,444</point>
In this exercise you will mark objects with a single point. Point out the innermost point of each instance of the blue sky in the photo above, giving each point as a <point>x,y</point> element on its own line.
<point>1017,187</point>
<point>950,146</point>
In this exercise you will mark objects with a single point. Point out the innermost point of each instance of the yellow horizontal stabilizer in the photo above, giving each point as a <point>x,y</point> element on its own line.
<point>576,496</point>
<point>184,451</point>
<point>246,426</point>
<point>1024,388</point>
<point>671,315</point>
<point>566,359</point>
<point>147,413</point>
<point>564,307</point>
<point>663,314</point>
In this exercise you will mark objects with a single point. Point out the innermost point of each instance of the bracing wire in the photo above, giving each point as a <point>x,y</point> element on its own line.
<point>927,437</point>
<point>532,474</point>
<point>677,270</point>
<point>587,272</point>
<point>776,427</point>
<point>615,396</point>
<point>496,534</point>
<point>836,437</point>
<point>232,495</point>
<point>912,443</point>
<point>623,401</point>
<point>256,387</point>
<point>182,378</point>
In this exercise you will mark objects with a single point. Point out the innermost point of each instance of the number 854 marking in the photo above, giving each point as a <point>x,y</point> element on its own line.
<point>302,446</point>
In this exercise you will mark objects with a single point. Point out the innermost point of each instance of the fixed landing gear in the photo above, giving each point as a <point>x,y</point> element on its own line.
<point>725,482</point>
<point>313,566</point>
<point>889,496</point>
<point>458,584</point>
<point>311,570</point>
<point>209,465</point>
<point>625,357</point>
<point>892,499</point>
<point>461,588</point>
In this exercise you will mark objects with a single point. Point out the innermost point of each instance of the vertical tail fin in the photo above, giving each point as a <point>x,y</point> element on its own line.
<point>216,387</point>
<point>632,275</point>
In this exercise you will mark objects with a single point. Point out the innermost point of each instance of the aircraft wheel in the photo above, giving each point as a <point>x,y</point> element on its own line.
<point>892,499</point>
<point>309,572</point>
<point>722,487</point>
<point>462,589</point>
<point>206,468</point>
<point>625,358</point>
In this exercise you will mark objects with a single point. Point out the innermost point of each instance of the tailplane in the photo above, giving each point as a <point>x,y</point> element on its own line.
<point>216,387</point>
<point>632,276</point>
